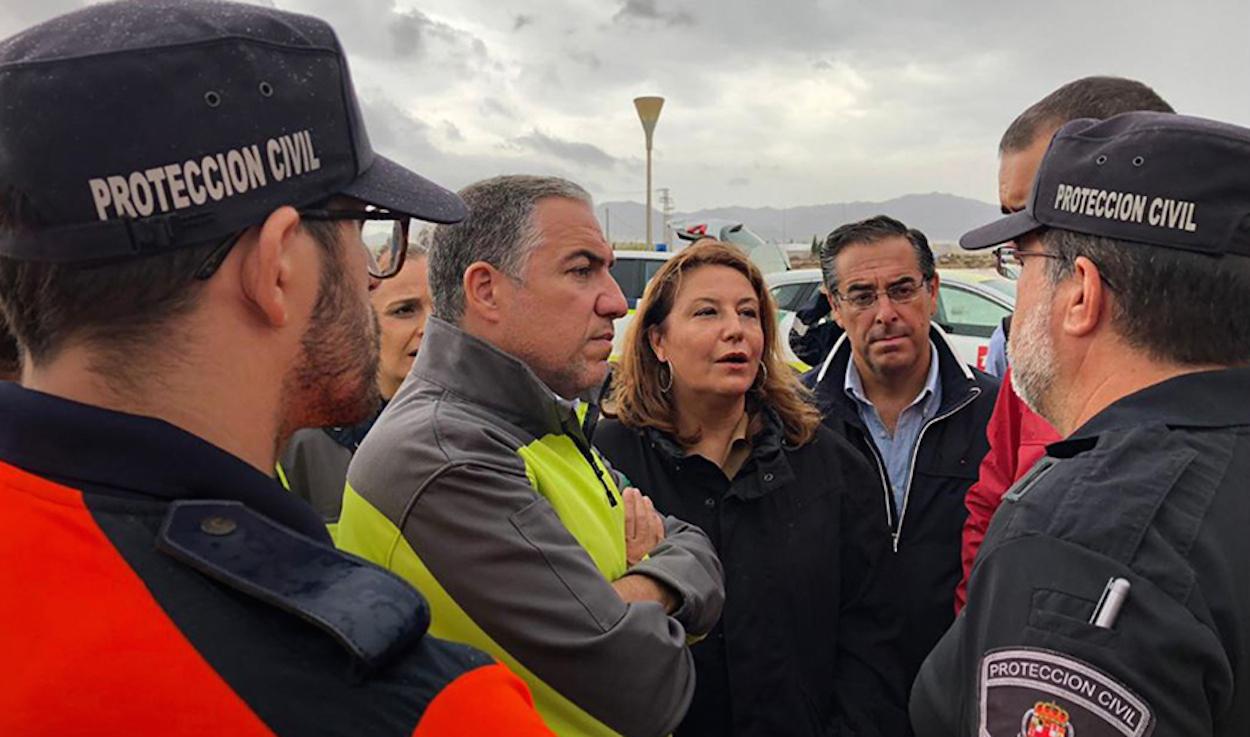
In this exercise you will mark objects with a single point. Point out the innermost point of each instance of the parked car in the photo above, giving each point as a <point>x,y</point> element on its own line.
<point>971,303</point>
<point>632,271</point>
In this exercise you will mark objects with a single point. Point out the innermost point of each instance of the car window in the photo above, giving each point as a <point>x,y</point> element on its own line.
<point>962,311</point>
<point>628,274</point>
<point>650,268</point>
<point>790,296</point>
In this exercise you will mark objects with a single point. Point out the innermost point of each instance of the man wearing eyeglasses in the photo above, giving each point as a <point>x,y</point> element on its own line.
<point>1111,594</point>
<point>893,387</point>
<point>185,190</point>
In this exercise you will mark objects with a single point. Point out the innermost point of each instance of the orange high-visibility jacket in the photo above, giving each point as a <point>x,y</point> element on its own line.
<point>151,583</point>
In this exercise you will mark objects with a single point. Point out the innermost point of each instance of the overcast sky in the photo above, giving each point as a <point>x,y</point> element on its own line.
<point>777,103</point>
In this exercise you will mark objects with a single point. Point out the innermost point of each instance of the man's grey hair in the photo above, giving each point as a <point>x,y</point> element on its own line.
<point>499,230</point>
<point>1176,306</point>
<point>419,243</point>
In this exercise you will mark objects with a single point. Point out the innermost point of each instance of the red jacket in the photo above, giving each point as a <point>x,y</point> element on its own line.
<point>1018,437</point>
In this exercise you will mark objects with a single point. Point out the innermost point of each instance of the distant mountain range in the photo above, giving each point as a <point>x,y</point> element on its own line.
<point>942,217</point>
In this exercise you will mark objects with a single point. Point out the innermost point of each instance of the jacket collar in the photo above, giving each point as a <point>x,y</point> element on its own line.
<point>768,456</point>
<point>126,455</point>
<point>959,384</point>
<point>351,436</point>
<point>478,372</point>
<point>1202,399</point>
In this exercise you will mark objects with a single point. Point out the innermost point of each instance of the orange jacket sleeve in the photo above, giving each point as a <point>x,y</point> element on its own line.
<point>483,702</point>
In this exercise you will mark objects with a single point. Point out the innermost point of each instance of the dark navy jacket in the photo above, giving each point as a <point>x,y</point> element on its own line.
<point>927,530</point>
<point>1155,490</point>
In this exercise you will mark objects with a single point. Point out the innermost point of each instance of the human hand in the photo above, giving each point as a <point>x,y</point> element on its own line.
<point>633,588</point>
<point>644,529</point>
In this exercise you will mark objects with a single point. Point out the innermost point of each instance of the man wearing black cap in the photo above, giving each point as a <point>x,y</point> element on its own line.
<point>191,218</point>
<point>1111,595</point>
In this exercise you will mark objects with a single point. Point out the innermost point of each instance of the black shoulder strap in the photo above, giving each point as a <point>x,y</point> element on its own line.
<point>372,612</point>
<point>1007,326</point>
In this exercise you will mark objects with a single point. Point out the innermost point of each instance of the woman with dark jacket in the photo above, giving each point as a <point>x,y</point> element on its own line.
<point>706,418</point>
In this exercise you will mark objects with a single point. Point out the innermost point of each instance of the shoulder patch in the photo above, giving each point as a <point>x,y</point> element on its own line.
<point>1031,692</point>
<point>372,612</point>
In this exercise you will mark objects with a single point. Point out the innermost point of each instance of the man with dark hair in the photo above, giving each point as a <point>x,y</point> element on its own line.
<point>187,207</point>
<point>480,484</point>
<point>1111,594</point>
<point>1017,435</point>
<point>894,388</point>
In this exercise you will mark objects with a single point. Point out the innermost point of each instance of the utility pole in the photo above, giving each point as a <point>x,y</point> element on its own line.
<point>666,208</point>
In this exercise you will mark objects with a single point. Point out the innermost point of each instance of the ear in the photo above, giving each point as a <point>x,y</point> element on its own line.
<point>1084,299</point>
<point>656,338</point>
<point>271,259</point>
<point>935,290</point>
<point>833,305</point>
<point>483,291</point>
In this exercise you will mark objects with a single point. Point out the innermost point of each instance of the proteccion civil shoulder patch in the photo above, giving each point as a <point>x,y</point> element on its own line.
<point>1030,692</point>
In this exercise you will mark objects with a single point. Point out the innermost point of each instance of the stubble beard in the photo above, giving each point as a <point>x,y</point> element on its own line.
<point>1031,354</point>
<point>334,381</point>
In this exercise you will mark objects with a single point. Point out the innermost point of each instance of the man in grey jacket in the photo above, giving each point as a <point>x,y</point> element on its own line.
<point>480,485</point>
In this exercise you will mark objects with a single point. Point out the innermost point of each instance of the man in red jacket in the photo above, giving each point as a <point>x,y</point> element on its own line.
<point>1017,435</point>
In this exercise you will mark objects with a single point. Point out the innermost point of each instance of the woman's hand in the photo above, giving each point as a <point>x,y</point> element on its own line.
<point>644,529</point>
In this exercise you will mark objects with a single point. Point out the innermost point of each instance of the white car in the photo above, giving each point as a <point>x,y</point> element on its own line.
<point>971,303</point>
<point>633,270</point>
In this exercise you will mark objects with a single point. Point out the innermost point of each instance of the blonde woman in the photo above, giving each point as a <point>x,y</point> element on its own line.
<point>707,418</point>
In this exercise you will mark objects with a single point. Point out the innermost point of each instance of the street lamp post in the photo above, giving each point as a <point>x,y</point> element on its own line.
<point>649,112</point>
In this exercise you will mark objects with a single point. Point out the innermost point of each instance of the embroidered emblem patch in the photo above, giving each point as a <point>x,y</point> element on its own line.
<point>1029,692</point>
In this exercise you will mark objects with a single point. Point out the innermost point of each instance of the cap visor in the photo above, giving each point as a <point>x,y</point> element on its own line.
<point>1008,228</point>
<point>392,187</point>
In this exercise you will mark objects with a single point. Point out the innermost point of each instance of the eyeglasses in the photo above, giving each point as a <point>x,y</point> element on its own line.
<point>383,233</point>
<point>1008,260</point>
<point>899,294</point>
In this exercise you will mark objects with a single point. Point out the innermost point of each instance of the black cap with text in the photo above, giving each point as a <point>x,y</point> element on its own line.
<point>136,127</point>
<point>1155,179</point>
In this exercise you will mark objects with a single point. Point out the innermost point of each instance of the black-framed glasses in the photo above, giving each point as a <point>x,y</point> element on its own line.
<point>384,233</point>
<point>1008,260</point>
<point>900,293</point>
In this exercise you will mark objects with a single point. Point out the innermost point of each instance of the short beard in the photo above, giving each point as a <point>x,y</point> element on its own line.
<point>567,382</point>
<point>334,380</point>
<point>1031,354</point>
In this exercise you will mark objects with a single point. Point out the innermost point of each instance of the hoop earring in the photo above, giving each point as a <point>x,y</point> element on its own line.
<point>665,386</point>
<point>762,372</point>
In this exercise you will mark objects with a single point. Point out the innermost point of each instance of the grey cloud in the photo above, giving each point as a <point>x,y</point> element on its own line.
<point>647,10</point>
<point>18,15</point>
<point>579,153</point>
<point>452,132</point>
<point>586,58</point>
<point>392,128</point>
<point>522,21</point>
<point>491,106</point>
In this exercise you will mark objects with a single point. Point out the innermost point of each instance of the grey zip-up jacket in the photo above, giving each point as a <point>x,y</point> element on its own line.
<point>478,485</point>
